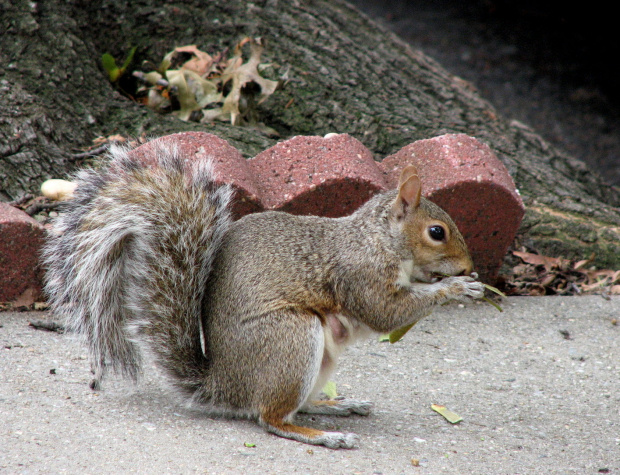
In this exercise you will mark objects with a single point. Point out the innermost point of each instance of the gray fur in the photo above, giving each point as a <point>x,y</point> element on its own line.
<point>126,227</point>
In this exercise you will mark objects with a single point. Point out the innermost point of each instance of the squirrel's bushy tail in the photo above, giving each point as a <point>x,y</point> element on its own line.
<point>130,257</point>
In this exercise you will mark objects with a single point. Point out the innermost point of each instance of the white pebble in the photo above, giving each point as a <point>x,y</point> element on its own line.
<point>58,189</point>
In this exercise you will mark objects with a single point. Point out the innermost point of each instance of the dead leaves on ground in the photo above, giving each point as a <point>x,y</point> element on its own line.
<point>196,86</point>
<point>544,275</point>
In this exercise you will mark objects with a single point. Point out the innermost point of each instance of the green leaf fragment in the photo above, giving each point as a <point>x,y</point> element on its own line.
<point>494,289</point>
<point>109,64</point>
<point>108,61</point>
<point>493,303</point>
<point>330,390</point>
<point>396,335</point>
<point>129,58</point>
<point>450,416</point>
<point>498,292</point>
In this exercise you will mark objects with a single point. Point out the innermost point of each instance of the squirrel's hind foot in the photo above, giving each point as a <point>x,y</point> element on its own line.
<point>331,440</point>
<point>338,407</point>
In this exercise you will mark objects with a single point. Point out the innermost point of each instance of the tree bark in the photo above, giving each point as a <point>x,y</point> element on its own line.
<point>346,73</point>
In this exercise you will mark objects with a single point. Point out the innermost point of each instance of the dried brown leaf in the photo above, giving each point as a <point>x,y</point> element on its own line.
<point>26,299</point>
<point>594,286</point>
<point>579,264</point>
<point>536,290</point>
<point>241,74</point>
<point>521,269</point>
<point>548,279</point>
<point>607,274</point>
<point>549,263</point>
<point>201,63</point>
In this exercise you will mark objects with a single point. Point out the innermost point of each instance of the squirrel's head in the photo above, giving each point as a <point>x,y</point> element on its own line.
<point>436,244</point>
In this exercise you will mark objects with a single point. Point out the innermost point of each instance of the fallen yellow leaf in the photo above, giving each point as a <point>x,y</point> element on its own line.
<point>450,416</point>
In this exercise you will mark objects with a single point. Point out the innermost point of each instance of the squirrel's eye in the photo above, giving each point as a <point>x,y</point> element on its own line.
<point>437,233</point>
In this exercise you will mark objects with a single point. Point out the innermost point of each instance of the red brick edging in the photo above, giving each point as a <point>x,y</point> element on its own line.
<point>328,176</point>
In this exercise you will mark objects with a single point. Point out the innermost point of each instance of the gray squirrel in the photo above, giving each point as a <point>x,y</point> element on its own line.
<point>246,317</point>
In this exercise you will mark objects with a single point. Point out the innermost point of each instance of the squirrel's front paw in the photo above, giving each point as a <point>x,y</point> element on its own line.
<point>464,287</point>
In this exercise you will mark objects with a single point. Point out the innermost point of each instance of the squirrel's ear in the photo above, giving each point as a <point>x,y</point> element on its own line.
<point>406,173</point>
<point>409,186</point>
<point>409,191</point>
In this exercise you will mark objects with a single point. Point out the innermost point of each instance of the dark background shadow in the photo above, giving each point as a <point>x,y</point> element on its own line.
<point>550,65</point>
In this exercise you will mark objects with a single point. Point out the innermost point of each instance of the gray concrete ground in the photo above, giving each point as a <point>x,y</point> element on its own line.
<point>538,387</point>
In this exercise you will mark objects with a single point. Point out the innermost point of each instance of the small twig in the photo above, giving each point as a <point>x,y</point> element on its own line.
<point>20,201</point>
<point>142,77</point>
<point>46,325</point>
<point>90,153</point>
<point>565,334</point>
<point>40,206</point>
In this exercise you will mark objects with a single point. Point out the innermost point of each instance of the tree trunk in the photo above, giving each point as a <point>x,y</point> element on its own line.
<point>346,75</point>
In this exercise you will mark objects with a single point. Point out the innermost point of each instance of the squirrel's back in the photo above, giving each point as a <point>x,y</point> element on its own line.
<point>131,253</point>
<point>275,259</point>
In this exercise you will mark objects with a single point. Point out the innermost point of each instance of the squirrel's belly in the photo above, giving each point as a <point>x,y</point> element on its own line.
<point>339,331</point>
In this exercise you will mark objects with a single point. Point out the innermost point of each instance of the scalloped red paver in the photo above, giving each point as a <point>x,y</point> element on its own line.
<point>328,176</point>
<point>465,178</point>
<point>228,163</point>
<point>309,175</point>
<point>21,239</point>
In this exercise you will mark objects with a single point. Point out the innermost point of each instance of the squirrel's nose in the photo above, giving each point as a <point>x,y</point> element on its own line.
<point>467,268</point>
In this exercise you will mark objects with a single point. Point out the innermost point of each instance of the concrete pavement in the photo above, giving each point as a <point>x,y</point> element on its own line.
<point>538,387</point>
